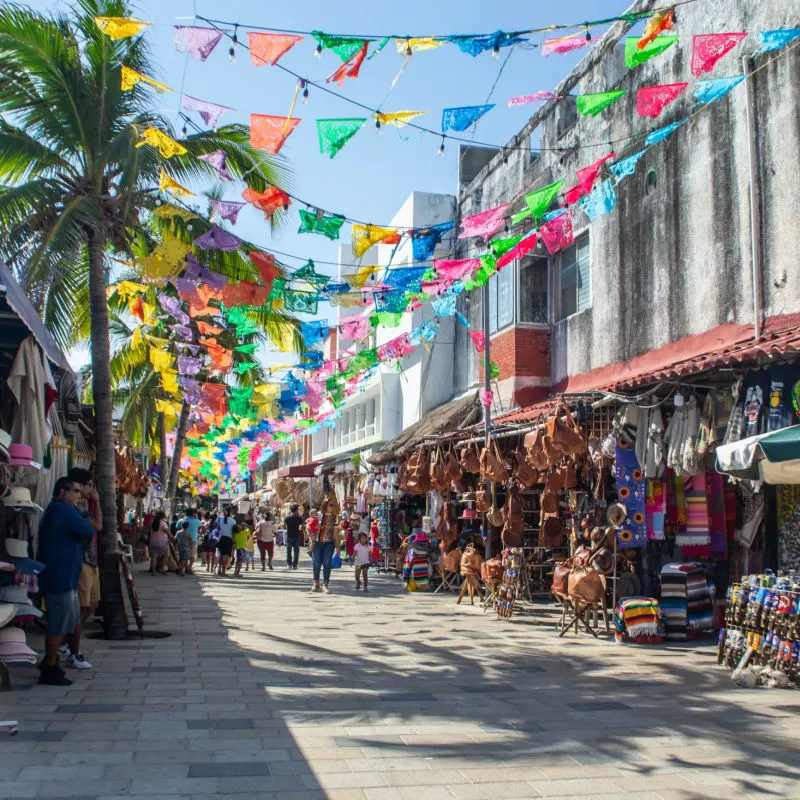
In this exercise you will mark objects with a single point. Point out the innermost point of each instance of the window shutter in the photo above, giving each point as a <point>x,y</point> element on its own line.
<point>584,284</point>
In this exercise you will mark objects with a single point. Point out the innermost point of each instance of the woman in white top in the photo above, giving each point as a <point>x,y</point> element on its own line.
<point>265,538</point>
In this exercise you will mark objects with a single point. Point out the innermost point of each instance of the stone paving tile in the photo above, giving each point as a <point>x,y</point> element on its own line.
<point>430,700</point>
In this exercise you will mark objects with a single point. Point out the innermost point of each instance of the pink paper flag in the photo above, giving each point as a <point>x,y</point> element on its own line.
<point>564,44</point>
<point>536,97</point>
<point>355,329</point>
<point>209,112</point>
<point>573,195</point>
<point>652,100</point>
<point>218,162</point>
<point>519,250</point>
<point>588,175</point>
<point>197,42</point>
<point>227,209</point>
<point>455,270</point>
<point>557,234</point>
<point>484,224</point>
<point>709,48</point>
<point>478,339</point>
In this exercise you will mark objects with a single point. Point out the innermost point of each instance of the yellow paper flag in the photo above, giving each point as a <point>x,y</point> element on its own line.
<point>169,381</point>
<point>165,145</point>
<point>167,184</point>
<point>136,336</point>
<point>120,27</point>
<point>130,77</point>
<point>165,260</point>
<point>398,118</point>
<point>167,408</point>
<point>161,359</point>
<point>283,337</point>
<point>167,211</point>
<point>148,310</point>
<point>349,300</point>
<point>408,47</point>
<point>360,277</point>
<point>126,289</point>
<point>364,236</point>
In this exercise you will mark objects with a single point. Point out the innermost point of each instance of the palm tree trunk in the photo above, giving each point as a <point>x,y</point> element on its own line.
<point>180,438</point>
<point>105,468</point>
<point>162,451</point>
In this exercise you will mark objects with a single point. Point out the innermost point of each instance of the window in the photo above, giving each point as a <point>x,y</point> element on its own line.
<point>575,278</point>
<point>533,290</point>
<point>501,300</point>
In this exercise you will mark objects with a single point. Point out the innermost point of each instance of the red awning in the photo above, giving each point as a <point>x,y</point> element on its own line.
<point>299,470</point>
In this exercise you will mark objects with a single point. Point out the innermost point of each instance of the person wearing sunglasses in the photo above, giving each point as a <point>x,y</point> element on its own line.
<point>63,536</point>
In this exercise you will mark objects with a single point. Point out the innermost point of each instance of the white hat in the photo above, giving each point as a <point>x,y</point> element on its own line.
<point>14,594</point>
<point>7,612</point>
<point>13,646</point>
<point>17,548</point>
<point>5,443</point>
<point>20,497</point>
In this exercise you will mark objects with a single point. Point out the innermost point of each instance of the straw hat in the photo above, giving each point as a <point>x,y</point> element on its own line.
<point>616,514</point>
<point>7,612</point>
<point>19,497</point>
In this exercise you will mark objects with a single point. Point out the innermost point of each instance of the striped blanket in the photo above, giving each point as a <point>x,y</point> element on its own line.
<point>416,567</point>
<point>635,617</point>
<point>686,600</point>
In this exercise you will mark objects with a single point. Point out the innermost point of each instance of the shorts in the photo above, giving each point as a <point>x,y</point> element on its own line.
<point>89,587</point>
<point>193,553</point>
<point>361,571</point>
<point>243,555</point>
<point>63,613</point>
<point>225,546</point>
<point>158,548</point>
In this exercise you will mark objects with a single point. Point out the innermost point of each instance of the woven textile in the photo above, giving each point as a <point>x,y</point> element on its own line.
<point>637,616</point>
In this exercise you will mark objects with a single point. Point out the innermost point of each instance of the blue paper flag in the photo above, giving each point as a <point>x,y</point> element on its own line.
<point>459,119</point>
<point>626,166</point>
<point>601,200</point>
<point>407,278</point>
<point>288,402</point>
<point>392,300</point>
<point>663,133</point>
<point>337,288</point>
<point>553,214</point>
<point>445,306</point>
<point>296,386</point>
<point>711,90</point>
<point>475,45</point>
<point>313,359</point>
<point>314,333</point>
<point>424,240</point>
<point>424,332</point>
<point>775,40</point>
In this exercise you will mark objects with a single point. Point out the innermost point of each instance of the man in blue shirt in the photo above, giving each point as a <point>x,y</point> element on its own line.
<point>63,536</point>
<point>194,528</point>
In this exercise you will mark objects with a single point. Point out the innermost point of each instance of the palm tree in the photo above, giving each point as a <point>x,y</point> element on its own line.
<point>74,186</point>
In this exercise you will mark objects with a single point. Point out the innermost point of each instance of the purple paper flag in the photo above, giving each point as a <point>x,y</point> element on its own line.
<point>217,161</point>
<point>227,209</point>
<point>173,306</point>
<point>189,366</point>
<point>191,390</point>
<point>185,285</point>
<point>197,42</point>
<point>183,331</point>
<point>217,239</point>
<point>191,348</point>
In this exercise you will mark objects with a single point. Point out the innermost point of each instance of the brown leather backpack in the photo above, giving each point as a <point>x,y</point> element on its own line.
<point>418,475</point>
<point>452,468</point>
<point>566,435</point>
<point>552,532</point>
<point>493,467</point>
<point>513,519</point>
<point>470,462</point>
<point>471,561</point>
<point>483,501</point>
<point>439,479</point>
<point>586,585</point>
<point>567,476</point>
<point>538,454</point>
<point>492,570</point>
<point>525,474</point>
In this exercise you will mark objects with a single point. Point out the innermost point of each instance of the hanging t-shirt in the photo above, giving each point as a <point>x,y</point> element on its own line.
<point>755,395</point>
<point>784,396</point>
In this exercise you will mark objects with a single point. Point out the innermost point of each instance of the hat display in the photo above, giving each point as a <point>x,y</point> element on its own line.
<point>20,455</point>
<point>469,513</point>
<point>16,548</point>
<point>616,514</point>
<point>13,646</point>
<point>14,594</point>
<point>5,443</point>
<point>19,497</point>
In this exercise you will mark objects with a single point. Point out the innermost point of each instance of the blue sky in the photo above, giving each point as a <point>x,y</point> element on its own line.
<point>372,176</point>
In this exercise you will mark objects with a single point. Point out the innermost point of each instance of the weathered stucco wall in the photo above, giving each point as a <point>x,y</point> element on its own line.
<point>674,257</point>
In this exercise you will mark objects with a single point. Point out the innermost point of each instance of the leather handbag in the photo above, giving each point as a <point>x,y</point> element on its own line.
<point>586,585</point>
<point>566,434</point>
<point>561,573</point>
<point>513,520</point>
<point>470,462</point>
<point>535,446</point>
<point>525,474</point>
<point>451,561</point>
<point>452,468</point>
<point>492,570</point>
<point>568,477</point>
<point>439,479</point>
<point>418,477</point>
<point>549,502</point>
<point>552,532</point>
<point>493,467</point>
<point>471,561</point>
<point>482,501</point>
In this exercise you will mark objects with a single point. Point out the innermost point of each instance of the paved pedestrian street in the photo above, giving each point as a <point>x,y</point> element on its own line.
<point>266,691</point>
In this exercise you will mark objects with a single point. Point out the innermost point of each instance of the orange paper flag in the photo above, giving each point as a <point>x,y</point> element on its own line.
<point>267,48</point>
<point>269,133</point>
<point>268,202</point>
<point>207,329</point>
<point>350,68</point>
<point>267,269</point>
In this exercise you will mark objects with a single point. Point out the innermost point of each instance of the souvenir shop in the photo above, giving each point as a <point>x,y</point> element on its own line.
<point>42,435</point>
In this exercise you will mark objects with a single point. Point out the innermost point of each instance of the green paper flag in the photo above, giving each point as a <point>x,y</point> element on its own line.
<point>320,223</point>
<point>634,56</point>
<point>240,400</point>
<point>307,274</point>
<point>500,247</point>
<point>343,46</point>
<point>300,302</point>
<point>246,366</point>
<point>590,105</point>
<point>388,319</point>
<point>539,201</point>
<point>334,134</point>
<point>247,349</point>
<point>276,293</point>
<point>494,369</point>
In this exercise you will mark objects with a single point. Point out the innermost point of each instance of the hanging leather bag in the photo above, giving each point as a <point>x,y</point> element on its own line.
<point>525,474</point>
<point>470,462</point>
<point>439,480</point>
<point>451,561</point>
<point>418,473</point>
<point>552,532</point>
<point>586,586</point>
<point>471,561</point>
<point>561,573</point>
<point>566,434</point>
<point>535,446</point>
<point>483,501</point>
<point>513,520</point>
<point>567,476</point>
<point>493,467</point>
<point>492,570</point>
<point>452,468</point>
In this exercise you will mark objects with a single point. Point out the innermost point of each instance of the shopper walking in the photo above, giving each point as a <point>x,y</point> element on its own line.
<point>226,524</point>
<point>158,544</point>
<point>265,539</point>
<point>295,526</point>
<point>361,559</point>
<point>326,544</point>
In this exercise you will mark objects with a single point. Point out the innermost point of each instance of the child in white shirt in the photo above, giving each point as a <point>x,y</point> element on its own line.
<point>361,558</point>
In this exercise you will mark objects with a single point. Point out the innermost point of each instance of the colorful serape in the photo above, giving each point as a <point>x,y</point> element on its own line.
<point>637,617</point>
<point>696,541</point>
<point>686,599</point>
<point>416,567</point>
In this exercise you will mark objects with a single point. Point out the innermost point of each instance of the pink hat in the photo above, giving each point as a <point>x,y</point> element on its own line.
<point>469,513</point>
<point>13,646</point>
<point>21,455</point>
